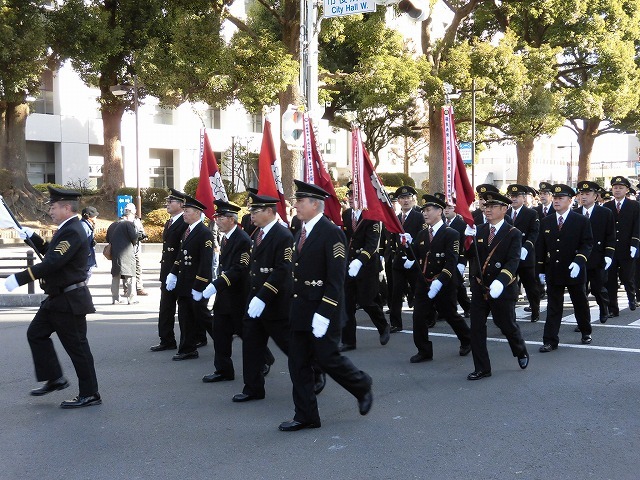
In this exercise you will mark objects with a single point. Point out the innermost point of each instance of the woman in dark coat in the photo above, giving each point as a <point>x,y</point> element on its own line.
<point>122,236</point>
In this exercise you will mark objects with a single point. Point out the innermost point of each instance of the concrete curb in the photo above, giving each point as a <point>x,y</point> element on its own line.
<point>22,299</point>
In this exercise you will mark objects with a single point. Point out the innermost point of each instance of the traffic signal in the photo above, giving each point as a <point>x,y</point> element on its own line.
<point>408,7</point>
<point>292,127</point>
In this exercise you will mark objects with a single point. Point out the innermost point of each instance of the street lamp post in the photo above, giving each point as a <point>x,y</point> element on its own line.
<point>119,90</point>
<point>570,164</point>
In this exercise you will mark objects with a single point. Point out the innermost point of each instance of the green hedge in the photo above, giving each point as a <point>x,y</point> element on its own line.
<point>190,187</point>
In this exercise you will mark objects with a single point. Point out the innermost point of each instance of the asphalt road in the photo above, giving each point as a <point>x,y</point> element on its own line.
<point>573,414</point>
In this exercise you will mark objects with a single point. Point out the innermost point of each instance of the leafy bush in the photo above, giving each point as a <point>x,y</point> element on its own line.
<point>425,184</point>
<point>190,187</point>
<point>406,180</point>
<point>153,198</point>
<point>239,198</point>
<point>154,233</point>
<point>390,179</point>
<point>43,187</point>
<point>100,235</point>
<point>157,218</point>
<point>341,192</point>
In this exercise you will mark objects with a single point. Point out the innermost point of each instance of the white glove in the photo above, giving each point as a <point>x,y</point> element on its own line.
<point>408,264</point>
<point>574,269</point>
<point>196,295</point>
<point>435,287</point>
<point>496,288</point>
<point>633,252</point>
<point>171,281</point>
<point>406,237</point>
<point>607,262</point>
<point>256,307</point>
<point>25,232</point>
<point>543,278</point>
<point>354,267</point>
<point>210,291</point>
<point>461,268</point>
<point>11,283</point>
<point>470,231</point>
<point>320,325</point>
<point>523,253</point>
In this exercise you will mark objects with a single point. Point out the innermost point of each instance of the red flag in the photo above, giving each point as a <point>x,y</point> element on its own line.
<point>269,178</point>
<point>369,193</point>
<point>316,173</point>
<point>456,183</point>
<point>210,186</point>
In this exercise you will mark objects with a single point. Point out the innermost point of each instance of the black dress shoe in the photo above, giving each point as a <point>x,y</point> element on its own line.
<point>535,316</point>
<point>345,347</point>
<point>364,404</point>
<point>632,305</point>
<point>586,339</point>
<point>420,357</point>
<point>527,309</point>
<point>547,347</point>
<point>477,375</point>
<point>614,312</point>
<point>185,356</point>
<point>604,317</point>
<point>294,426</point>
<point>201,344</point>
<point>79,401</point>
<point>395,329</point>
<point>577,329</point>
<point>385,335</point>
<point>465,350</point>
<point>319,383</point>
<point>466,314</point>
<point>217,377</point>
<point>163,346</point>
<point>243,397</point>
<point>266,369</point>
<point>523,361</point>
<point>50,386</point>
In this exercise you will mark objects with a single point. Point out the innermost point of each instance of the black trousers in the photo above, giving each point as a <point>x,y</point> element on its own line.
<point>255,335</point>
<point>404,282</point>
<point>307,350</point>
<point>374,311</point>
<point>167,316</point>
<point>72,332</point>
<point>531,285</point>
<point>193,317</point>
<point>625,269</point>
<point>597,279</point>
<point>463,298</point>
<point>555,304</point>
<point>504,316</point>
<point>425,311</point>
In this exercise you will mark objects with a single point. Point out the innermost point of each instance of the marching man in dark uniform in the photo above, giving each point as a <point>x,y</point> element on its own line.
<point>545,207</point>
<point>317,311</point>
<point>626,214</point>
<point>362,284</point>
<point>562,262</point>
<point>604,244</point>
<point>267,313</point>
<point>437,248</point>
<point>171,237</point>
<point>230,288</point>
<point>526,220</point>
<point>190,275</point>
<point>494,288</point>
<point>62,275</point>
<point>404,281</point>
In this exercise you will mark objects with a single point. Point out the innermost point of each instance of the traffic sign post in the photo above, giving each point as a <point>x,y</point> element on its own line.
<point>342,8</point>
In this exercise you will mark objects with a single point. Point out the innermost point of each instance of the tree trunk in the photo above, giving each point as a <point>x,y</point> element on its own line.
<point>524,150</point>
<point>436,173</point>
<point>20,196</point>
<point>112,171</point>
<point>586,139</point>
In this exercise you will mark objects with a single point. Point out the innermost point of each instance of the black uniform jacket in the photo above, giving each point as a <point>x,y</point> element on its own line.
<point>247,225</point>
<point>459,225</point>
<point>498,261</point>
<point>193,265</point>
<point>528,223</point>
<point>627,224</point>
<point>64,264</point>
<point>538,208</point>
<point>363,245</point>
<point>559,248</point>
<point>171,238</point>
<point>232,283</point>
<point>318,277</point>
<point>270,272</point>
<point>412,225</point>
<point>604,236</point>
<point>437,260</point>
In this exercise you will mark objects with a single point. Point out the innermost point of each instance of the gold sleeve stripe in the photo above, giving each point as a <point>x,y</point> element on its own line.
<point>507,272</point>
<point>364,252</point>
<point>581,255</point>
<point>208,244</point>
<point>610,248</point>
<point>31,274</point>
<point>444,270</point>
<point>202,279</point>
<point>271,287</point>
<point>226,279</point>
<point>288,254</point>
<point>244,258</point>
<point>329,301</point>
<point>339,250</point>
<point>62,247</point>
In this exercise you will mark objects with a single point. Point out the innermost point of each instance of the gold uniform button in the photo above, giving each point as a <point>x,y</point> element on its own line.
<point>295,295</point>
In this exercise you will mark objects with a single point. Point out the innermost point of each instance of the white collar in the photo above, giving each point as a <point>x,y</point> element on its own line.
<point>497,226</point>
<point>436,227</point>
<point>308,226</point>
<point>230,232</point>
<point>268,227</point>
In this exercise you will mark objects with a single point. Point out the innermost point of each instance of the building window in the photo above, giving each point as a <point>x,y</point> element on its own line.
<point>211,118</point>
<point>44,102</point>
<point>160,168</point>
<point>41,162</point>
<point>96,162</point>
<point>330,146</point>
<point>163,116</point>
<point>256,123</point>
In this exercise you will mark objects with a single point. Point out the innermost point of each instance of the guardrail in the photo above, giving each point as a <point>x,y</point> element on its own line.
<point>27,260</point>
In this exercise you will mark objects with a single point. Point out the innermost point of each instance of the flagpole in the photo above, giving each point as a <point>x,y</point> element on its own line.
<point>27,240</point>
